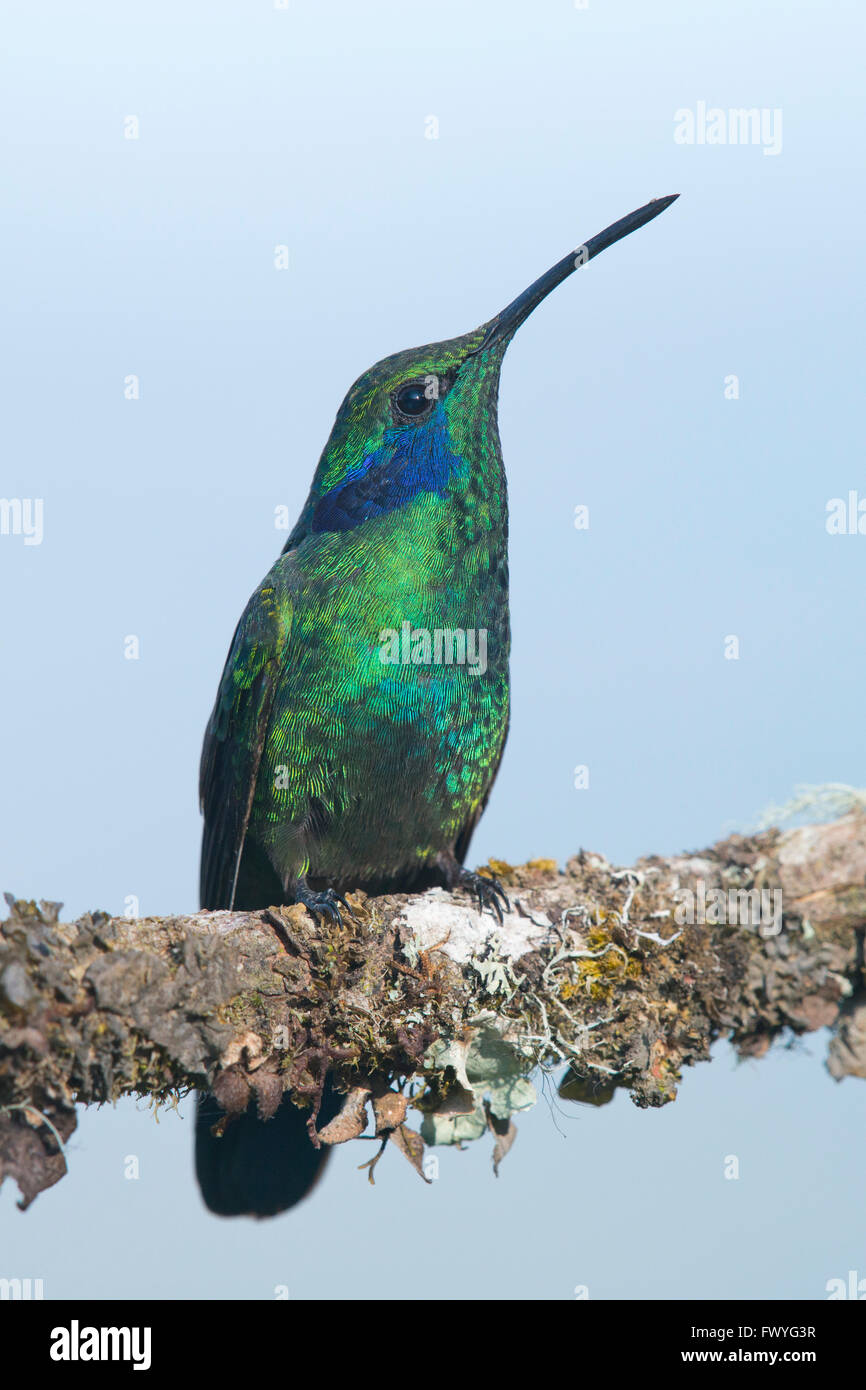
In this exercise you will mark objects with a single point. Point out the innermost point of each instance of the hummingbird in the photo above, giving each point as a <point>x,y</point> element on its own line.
<point>364,705</point>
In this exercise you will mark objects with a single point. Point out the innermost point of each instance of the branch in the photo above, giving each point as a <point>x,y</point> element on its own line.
<point>626,976</point>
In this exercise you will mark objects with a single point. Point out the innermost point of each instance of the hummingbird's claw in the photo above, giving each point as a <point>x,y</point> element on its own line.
<point>323,904</point>
<point>488,890</point>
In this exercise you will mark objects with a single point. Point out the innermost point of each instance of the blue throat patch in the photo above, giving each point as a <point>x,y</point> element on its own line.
<point>410,460</point>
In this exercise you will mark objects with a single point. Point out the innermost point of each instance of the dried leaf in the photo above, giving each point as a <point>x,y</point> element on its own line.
<point>411,1145</point>
<point>390,1111</point>
<point>351,1121</point>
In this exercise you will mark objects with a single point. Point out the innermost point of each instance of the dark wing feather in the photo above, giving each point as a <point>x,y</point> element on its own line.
<point>461,845</point>
<point>235,737</point>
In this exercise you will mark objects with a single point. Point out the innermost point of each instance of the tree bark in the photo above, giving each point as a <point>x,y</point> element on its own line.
<point>423,1002</point>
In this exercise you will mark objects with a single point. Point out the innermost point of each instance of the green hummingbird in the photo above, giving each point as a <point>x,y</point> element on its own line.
<point>364,704</point>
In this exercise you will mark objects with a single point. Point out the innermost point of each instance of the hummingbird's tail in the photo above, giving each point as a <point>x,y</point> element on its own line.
<point>258,1167</point>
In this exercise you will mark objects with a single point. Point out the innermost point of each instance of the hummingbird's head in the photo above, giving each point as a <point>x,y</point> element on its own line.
<point>424,421</point>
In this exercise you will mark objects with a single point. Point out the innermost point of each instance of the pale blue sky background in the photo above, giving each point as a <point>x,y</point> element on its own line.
<point>306,126</point>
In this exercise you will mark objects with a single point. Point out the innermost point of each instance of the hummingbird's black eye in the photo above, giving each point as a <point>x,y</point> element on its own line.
<point>416,398</point>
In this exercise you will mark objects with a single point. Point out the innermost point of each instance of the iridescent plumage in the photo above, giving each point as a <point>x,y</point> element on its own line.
<point>363,707</point>
<point>365,772</point>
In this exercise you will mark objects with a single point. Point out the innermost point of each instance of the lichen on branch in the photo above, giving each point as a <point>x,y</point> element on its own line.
<point>617,977</point>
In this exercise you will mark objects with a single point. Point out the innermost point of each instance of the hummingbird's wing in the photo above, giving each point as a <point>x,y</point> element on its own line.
<point>461,845</point>
<point>236,734</point>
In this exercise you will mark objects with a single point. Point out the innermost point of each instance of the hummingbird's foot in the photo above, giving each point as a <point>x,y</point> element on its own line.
<point>323,904</point>
<point>489,891</point>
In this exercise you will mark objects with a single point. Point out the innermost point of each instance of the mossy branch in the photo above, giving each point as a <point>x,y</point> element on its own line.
<point>423,1002</point>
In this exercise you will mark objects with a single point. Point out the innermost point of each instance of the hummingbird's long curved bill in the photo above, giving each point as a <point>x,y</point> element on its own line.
<point>507,323</point>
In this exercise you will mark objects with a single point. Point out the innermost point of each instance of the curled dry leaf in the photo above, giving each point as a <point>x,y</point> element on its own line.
<point>351,1121</point>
